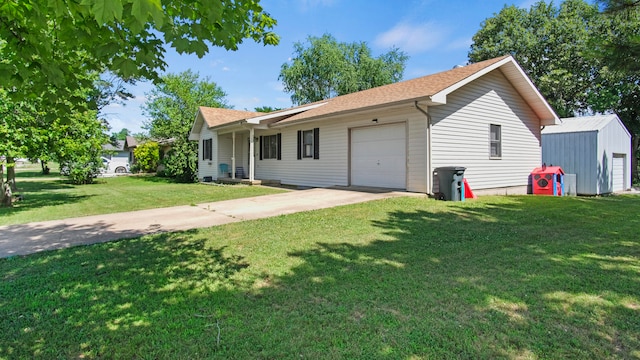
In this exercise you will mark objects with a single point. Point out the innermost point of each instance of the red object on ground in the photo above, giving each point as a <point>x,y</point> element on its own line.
<point>468,194</point>
<point>548,180</point>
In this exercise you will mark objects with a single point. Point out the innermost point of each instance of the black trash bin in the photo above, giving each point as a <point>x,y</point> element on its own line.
<point>451,180</point>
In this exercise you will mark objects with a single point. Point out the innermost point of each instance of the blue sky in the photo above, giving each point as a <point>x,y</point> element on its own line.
<point>436,34</point>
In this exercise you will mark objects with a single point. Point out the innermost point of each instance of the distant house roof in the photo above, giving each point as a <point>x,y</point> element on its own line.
<point>130,142</point>
<point>431,90</point>
<point>582,124</point>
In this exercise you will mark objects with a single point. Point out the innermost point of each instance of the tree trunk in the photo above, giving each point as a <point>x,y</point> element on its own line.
<point>5,190</point>
<point>45,168</point>
<point>11,173</point>
<point>1,183</point>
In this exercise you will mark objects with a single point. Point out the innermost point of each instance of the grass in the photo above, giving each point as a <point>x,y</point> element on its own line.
<point>52,197</point>
<point>402,278</point>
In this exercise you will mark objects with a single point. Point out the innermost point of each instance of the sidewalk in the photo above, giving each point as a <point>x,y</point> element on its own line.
<point>48,235</point>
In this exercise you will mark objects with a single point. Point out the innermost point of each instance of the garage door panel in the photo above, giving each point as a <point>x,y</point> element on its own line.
<point>618,172</point>
<point>378,156</point>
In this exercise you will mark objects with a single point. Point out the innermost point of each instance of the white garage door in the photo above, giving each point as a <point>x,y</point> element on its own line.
<point>617,173</point>
<point>378,156</point>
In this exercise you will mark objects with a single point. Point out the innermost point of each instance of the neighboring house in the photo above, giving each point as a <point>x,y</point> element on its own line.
<point>117,152</point>
<point>130,144</point>
<point>595,148</point>
<point>485,117</point>
<point>116,157</point>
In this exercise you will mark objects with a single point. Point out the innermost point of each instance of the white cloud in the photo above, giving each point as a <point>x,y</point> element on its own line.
<point>459,44</point>
<point>413,38</point>
<point>216,62</point>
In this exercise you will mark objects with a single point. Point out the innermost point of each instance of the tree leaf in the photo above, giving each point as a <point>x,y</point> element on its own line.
<point>105,11</point>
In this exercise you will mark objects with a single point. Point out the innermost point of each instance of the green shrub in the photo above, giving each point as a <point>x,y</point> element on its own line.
<point>147,156</point>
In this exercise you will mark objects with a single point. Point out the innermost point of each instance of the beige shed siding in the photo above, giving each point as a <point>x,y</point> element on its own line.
<point>207,167</point>
<point>333,166</point>
<point>460,133</point>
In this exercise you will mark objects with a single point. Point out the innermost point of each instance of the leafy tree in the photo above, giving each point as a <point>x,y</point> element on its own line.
<point>120,135</point>
<point>171,108</point>
<point>79,145</point>
<point>620,47</point>
<point>21,134</point>
<point>58,42</point>
<point>328,68</point>
<point>147,156</point>
<point>266,109</point>
<point>549,43</point>
<point>617,47</point>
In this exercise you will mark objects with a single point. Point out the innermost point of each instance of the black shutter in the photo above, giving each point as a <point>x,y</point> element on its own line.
<point>204,152</point>
<point>316,143</point>
<point>260,147</point>
<point>279,145</point>
<point>210,149</point>
<point>299,144</point>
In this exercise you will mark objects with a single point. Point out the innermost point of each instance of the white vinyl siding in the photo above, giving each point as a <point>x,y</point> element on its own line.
<point>207,167</point>
<point>459,133</point>
<point>333,168</point>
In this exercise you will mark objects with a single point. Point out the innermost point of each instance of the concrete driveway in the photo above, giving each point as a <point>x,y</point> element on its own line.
<point>48,235</point>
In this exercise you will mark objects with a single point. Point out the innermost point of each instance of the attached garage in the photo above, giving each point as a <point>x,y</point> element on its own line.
<point>379,156</point>
<point>595,148</point>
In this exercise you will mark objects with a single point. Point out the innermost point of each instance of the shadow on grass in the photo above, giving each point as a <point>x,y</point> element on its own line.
<point>38,194</point>
<point>518,278</point>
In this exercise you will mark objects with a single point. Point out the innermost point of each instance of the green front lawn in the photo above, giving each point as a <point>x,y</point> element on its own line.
<point>402,278</point>
<point>53,197</point>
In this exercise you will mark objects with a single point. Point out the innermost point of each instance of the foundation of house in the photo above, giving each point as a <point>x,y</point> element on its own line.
<point>228,180</point>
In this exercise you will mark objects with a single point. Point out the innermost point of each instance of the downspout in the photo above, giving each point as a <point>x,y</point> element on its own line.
<point>429,176</point>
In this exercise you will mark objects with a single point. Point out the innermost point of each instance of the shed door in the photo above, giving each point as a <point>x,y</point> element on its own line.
<point>378,156</point>
<point>617,174</point>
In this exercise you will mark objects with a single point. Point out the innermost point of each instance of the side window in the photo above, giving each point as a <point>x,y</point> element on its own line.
<point>309,144</point>
<point>495,139</point>
<point>270,147</point>
<point>207,149</point>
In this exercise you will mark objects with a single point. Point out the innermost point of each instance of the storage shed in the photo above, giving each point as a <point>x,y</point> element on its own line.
<point>595,148</point>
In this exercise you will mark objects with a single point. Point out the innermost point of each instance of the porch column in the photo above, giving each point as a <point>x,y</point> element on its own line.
<point>233,155</point>
<point>252,160</point>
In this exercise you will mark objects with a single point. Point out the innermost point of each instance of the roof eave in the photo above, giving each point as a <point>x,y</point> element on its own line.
<point>194,133</point>
<point>409,102</point>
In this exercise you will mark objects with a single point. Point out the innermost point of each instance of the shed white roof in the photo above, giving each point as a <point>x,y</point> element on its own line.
<point>581,124</point>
